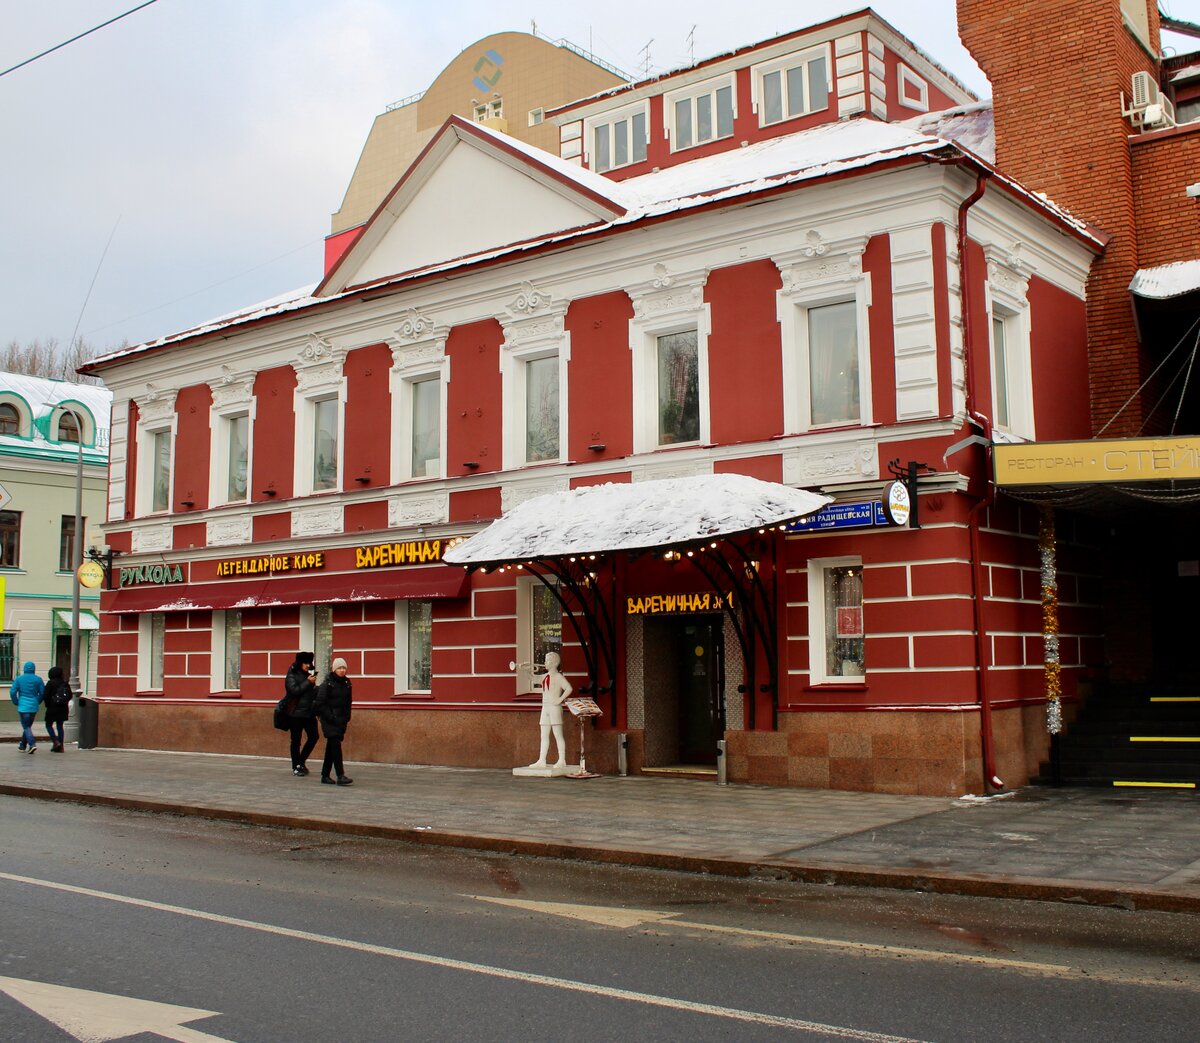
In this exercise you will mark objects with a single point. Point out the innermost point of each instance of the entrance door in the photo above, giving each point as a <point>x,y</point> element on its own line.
<point>700,656</point>
<point>62,652</point>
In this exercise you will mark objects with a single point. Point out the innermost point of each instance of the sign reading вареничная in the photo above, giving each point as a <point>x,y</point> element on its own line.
<point>1084,463</point>
<point>410,552</point>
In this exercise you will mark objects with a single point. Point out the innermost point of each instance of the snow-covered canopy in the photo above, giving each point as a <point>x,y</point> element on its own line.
<point>637,516</point>
<point>1167,280</point>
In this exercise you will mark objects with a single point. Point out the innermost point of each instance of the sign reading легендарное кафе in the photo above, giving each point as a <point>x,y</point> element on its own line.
<point>1084,463</point>
<point>271,563</point>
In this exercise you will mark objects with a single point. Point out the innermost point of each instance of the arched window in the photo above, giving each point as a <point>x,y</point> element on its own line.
<point>10,420</point>
<point>68,427</point>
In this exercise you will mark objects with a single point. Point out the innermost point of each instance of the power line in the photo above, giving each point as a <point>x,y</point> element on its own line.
<point>89,32</point>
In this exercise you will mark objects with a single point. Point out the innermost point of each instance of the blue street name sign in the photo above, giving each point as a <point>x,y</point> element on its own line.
<point>842,516</point>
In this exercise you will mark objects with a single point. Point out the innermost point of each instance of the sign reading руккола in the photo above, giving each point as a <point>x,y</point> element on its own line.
<point>157,575</point>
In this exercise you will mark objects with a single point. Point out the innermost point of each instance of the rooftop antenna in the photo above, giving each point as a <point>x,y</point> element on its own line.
<point>691,45</point>
<point>645,53</point>
<point>533,26</point>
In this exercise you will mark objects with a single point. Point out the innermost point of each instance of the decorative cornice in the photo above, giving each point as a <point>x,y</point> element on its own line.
<point>529,301</point>
<point>819,261</point>
<point>157,405</point>
<point>223,532</point>
<point>418,509</point>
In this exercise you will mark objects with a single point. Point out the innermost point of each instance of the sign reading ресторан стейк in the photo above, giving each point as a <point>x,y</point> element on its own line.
<point>677,604</point>
<point>271,563</point>
<point>135,575</point>
<point>407,552</point>
<point>1101,460</point>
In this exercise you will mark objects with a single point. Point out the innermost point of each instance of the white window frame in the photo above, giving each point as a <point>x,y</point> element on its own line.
<point>817,569</point>
<point>232,398</point>
<point>403,666</point>
<point>528,680</point>
<point>668,304</point>
<point>690,93</point>
<point>220,651</point>
<point>145,667</point>
<point>608,121</point>
<point>87,422</point>
<point>319,377</point>
<point>24,414</point>
<point>146,437</point>
<point>821,274</point>
<point>536,330</point>
<point>905,77</point>
<point>1008,300</point>
<point>308,635</point>
<point>782,65</point>
<point>418,354</point>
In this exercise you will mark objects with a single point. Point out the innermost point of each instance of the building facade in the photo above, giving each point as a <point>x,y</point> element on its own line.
<point>48,429</point>
<point>778,264</point>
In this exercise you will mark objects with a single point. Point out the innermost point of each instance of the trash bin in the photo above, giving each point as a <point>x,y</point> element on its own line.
<point>88,724</point>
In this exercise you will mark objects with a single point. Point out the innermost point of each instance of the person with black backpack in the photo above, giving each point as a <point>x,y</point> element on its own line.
<point>58,707</point>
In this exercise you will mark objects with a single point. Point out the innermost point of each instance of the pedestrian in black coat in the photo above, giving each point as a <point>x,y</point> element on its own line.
<point>58,707</point>
<point>300,689</point>
<point>332,706</point>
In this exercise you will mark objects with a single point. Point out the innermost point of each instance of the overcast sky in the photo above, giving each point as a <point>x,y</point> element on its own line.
<point>217,136</point>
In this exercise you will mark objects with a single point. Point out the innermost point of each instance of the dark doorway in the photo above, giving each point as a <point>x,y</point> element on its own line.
<point>62,653</point>
<point>700,655</point>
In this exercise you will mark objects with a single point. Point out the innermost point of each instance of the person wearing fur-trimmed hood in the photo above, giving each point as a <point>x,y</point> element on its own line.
<point>332,706</point>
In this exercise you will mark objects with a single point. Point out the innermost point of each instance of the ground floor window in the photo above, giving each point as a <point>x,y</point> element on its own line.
<point>227,650</point>
<point>539,630</point>
<point>152,630</point>
<point>8,653</point>
<point>414,645</point>
<point>322,637</point>
<point>836,632</point>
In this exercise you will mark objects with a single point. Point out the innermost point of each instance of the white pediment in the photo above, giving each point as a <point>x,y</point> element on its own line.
<point>464,197</point>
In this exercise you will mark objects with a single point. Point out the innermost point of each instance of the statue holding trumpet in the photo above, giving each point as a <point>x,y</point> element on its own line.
<point>556,690</point>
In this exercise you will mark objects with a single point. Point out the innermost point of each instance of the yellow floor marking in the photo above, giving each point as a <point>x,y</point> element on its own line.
<point>627,918</point>
<point>1164,738</point>
<point>1156,785</point>
<point>1175,698</point>
<point>446,963</point>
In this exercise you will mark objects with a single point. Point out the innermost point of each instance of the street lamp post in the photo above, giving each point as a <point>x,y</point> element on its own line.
<point>76,561</point>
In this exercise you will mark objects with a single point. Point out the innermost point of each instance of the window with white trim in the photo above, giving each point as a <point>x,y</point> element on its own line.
<point>700,113</point>
<point>826,348</point>
<point>425,429</point>
<point>533,372</point>
<point>227,650</point>
<point>419,375</point>
<point>152,632</point>
<point>678,358</point>
<point>325,458</point>
<point>618,139</point>
<point>1011,367</point>
<point>10,419</point>
<point>232,459</point>
<point>320,398</point>
<point>316,635</point>
<point>794,85</point>
<point>539,630</point>
<point>414,646</point>
<point>836,635</point>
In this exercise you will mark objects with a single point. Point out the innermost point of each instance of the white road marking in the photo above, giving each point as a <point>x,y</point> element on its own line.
<point>99,1017</point>
<point>605,916</point>
<point>566,984</point>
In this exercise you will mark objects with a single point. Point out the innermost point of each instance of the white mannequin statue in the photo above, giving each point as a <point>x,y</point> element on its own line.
<point>556,690</point>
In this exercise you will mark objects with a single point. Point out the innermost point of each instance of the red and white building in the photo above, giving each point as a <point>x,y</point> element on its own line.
<point>794,262</point>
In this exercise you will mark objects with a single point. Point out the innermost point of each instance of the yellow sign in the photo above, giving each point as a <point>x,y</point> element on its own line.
<point>410,552</point>
<point>91,574</point>
<point>664,604</point>
<point>271,563</point>
<point>1101,460</point>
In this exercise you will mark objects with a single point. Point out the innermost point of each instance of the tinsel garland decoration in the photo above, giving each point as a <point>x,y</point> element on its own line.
<point>1053,665</point>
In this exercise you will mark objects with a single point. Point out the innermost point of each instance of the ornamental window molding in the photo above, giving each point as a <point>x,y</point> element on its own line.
<point>319,368</point>
<point>407,511</point>
<point>232,392</point>
<point>1008,277</point>
<point>156,409</point>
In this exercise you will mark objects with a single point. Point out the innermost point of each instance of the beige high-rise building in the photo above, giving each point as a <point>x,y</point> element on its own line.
<point>505,81</point>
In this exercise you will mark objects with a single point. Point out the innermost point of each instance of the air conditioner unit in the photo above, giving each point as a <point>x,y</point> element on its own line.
<point>1145,91</point>
<point>1147,109</point>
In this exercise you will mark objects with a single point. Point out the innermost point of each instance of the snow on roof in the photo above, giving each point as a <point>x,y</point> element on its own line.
<point>1167,280</point>
<point>637,516</point>
<point>969,126</point>
<point>43,395</point>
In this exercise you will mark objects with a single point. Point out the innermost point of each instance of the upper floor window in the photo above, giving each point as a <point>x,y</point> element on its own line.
<point>833,378</point>
<point>795,85</point>
<point>160,471</point>
<point>419,377</point>
<point>66,544</point>
<point>541,409</point>
<point>325,444</point>
<point>10,419</point>
<point>426,432</point>
<point>618,139</point>
<point>699,113</point>
<point>678,359</point>
<point>68,428</point>
<point>1011,369</point>
<point>237,457</point>
<point>489,110</point>
<point>10,539</point>
<point>533,369</point>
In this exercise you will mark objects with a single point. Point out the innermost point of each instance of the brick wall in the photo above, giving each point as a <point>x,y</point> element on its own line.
<point>1164,164</point>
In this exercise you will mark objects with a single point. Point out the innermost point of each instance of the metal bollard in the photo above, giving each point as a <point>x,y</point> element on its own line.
<point>623,754</point>
<point>721,780</point>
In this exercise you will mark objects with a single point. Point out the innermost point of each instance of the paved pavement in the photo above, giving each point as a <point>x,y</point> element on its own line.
<point>1139,849</point>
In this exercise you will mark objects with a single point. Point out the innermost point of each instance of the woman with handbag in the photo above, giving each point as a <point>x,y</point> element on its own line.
<point>300,691</point>
<point>332,706</point>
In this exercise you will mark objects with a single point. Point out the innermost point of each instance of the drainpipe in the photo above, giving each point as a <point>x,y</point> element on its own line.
<point>992,781</point>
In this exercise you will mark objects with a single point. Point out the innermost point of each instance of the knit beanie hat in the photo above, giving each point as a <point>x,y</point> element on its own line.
<point>338,664</point>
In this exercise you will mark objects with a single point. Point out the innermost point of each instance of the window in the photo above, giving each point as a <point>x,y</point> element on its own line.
<point>68,428</point>
<point>619,139</point>
<point>836,620</point>
<point>1012,365</point>
<point>67,561</point>
<point>539,629</point>
<point>237,457</point>
<point>160,463</point>
<point>1000,366</point>
<point>152,627</point>
<point>414,645</point>
<point>489,110</point>
<point>322,643</point>
<point>233,649</point>
<point>793,86</point>
<point>8,653</point>
<point>10,419</point>
<point>678,388</point>
<point>700,113</point>
<point>325,444</point>
<point>426,431</point>
<point>10,539</point>
<point>833,363</point>
<point>541,409</point>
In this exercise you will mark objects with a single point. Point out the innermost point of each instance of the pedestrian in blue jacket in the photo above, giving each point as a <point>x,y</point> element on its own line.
<point>27,693</point>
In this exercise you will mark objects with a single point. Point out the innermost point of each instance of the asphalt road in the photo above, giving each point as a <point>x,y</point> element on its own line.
<point>118,925</point>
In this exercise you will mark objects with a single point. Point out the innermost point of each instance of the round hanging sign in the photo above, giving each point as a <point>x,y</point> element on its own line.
<point>896,503</point>
<point>91,574</point>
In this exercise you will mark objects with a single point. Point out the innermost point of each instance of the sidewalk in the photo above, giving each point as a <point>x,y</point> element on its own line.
<point>1136,849</point>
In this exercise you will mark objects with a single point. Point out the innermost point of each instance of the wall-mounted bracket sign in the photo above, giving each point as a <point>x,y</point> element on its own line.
<point>897,503</point>
<point>133,575</point>
<point>409,552</point>
<point>271,563</point>
<point>678,604</point>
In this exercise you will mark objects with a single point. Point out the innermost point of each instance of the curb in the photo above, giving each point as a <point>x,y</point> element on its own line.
<point>830,874</point>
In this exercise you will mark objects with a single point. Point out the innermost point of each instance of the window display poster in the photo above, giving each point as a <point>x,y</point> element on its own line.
<point>849,621</point>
